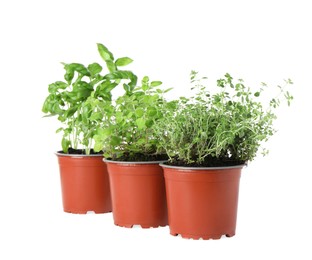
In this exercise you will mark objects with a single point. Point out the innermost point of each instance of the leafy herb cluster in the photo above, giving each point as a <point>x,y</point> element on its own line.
<point>222,128</point>
<point>68,99</point>
<point>214,127</point>
<point>126,131</point>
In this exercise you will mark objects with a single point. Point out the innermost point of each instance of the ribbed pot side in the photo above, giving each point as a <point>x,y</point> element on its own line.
<point>85,184</point>
<point>138,194</point>
<point>202,203</point>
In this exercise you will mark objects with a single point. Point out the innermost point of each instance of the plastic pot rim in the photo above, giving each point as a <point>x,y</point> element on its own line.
<point>184,168</point>
<point>133,162</point>
<point>60,153</point>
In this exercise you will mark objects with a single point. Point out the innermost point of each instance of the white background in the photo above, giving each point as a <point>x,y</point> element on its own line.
<point>255,40</point>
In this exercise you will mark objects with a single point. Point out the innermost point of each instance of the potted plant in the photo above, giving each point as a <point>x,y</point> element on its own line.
<point>132,154</point>
<point>84,180</point>
<point>209,138</point>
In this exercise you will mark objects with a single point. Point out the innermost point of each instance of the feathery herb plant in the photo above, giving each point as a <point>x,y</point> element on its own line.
<point>217,129</point>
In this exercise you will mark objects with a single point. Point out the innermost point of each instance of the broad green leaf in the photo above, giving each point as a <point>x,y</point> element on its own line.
<point>156,83</point>
<point>54,87</point>
<point>69,75</point>
<point>98,146</point>
<point>104,90</point>
<point>126,87</point>
<point>81,69</point>
<point>94,69</point>
<point>105,53</point>
<point>123,75</point>
<point>55,109</point>
<point>111,66</point>
<point>123,61</point>
<point>104,133</point>
<point>46,105</point>
<point>65,145</point>
<point>109,87</point>
<point>82,85</point>
<point>70,112</point>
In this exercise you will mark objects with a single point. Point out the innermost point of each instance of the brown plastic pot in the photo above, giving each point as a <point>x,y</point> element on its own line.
<point>85,183</point>
<point>138,194</point>
<point>202,202</point>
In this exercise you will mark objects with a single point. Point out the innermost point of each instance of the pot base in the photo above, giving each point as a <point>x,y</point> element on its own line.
<point>84,212</point>
<point>141,225</point>
<point>203,237</point>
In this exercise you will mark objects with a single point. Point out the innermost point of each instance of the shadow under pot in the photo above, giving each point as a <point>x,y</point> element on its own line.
<point>84,183</point>
<point>202,202</point>
<point>138,193</point>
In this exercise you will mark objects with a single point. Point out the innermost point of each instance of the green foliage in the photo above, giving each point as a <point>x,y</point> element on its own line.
<point>228,125</point>
<point>127,127</point>
<point>70,99</point>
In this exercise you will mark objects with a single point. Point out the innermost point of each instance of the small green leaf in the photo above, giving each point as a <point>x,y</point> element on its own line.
<point>139,112</point>
<point>140,123</point>
<point>151,111</point>
<point>257,94</point>
<point>115,140</point>
<point>149,123</point>
<point>59,130</point>
<point>141,141</point>
<point>145,87</point>
<point>167,90</point>
<point>96,116</point>
<point>156,83</point>
<point>145,79</point>
<point>123,61</point>
<point>129,115</point>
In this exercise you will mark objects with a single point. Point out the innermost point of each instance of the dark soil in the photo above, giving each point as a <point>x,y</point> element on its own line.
<point>80,151</point>
<point>209,162</point>
<point>140,157</point>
